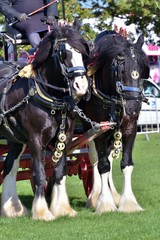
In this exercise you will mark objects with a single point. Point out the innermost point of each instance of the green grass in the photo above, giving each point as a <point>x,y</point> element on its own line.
<point>87,226</point>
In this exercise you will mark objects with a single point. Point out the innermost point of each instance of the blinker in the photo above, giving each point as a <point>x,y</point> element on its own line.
<point>62,53</point>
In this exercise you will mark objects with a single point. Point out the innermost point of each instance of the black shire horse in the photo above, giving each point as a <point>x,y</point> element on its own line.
<point>38,111</point>
<point>117,70</point>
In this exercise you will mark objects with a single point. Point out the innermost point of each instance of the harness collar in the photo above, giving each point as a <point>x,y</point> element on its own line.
<point>41,96</point>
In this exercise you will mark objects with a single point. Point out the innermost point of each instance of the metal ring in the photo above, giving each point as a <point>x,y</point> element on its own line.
<point>53,112</point>
<point>63,113</point>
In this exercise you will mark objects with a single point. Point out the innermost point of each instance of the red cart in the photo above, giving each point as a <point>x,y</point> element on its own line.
<point>78,162</point>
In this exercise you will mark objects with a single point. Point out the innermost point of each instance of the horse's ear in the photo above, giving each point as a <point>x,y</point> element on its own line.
<point>140,41</point>
<point>77,24</point>
<point>44,48</point>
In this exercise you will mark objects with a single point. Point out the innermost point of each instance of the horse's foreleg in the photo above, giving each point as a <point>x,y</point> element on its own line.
<point>40,209</point>
<point>128,202</point>
<point>96,187</point>
<point>115,194</point>
<point>105,201</point>
<point>11,205</point>
<point>60,205</point>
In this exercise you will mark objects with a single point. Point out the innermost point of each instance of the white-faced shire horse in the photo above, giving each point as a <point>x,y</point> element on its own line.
<point>38,111</point>
<point>117,70</point>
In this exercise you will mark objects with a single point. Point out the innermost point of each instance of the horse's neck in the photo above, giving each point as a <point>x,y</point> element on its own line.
<point>105,83</point>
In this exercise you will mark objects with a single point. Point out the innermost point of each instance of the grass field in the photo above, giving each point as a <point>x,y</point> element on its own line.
<point>87,226</point>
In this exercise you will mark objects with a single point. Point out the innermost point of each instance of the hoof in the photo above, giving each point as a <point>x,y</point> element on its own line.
<point>128,206</point>
<point>13,210</point>
<point>43,215</point>
<point>40,210</point>
<point>72,213</point>
<point>116,197</point>
<point>92,201</point>
<point>64,211</point>
<point>103,208</point>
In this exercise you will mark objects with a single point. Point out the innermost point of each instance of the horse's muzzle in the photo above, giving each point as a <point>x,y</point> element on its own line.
<point>133,107</point>
<point>80,86</point>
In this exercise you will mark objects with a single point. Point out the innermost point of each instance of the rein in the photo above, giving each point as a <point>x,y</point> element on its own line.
<point>50,85</point>
<point>103,97</point>
<point>70,75</point>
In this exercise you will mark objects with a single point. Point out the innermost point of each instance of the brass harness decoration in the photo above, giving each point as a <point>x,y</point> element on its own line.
<point>60,145</point>
<point>117,144</point>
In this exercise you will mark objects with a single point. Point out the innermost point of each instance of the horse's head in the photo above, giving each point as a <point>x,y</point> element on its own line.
<point>60,54</point>
<point>72,66</point>
<point>119,67</point>
<point>130,67</point>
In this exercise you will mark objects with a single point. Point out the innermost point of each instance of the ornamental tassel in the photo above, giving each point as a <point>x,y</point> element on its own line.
<point>27,72</point>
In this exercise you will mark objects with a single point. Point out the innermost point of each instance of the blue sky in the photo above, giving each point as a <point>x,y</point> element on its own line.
<point>88,3</point>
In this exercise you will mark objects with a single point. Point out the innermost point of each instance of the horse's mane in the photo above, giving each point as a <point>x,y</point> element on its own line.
<point>74,38</point>
<point>108,47</point>
<point>111,45</point>
<point>46,47</point>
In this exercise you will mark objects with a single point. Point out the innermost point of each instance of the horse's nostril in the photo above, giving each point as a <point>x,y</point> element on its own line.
<point>76,85</point>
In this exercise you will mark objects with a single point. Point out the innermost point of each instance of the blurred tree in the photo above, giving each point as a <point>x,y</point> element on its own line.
<point>1,19</point>
<point>143,13</point>
<point>77,9</point>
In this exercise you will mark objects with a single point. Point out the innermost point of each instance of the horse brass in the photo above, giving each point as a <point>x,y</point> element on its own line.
<point>58,154</point>
<point>117,144</point>
<point>117,135</point>
<point>62,137</point>
<point>61,146</point>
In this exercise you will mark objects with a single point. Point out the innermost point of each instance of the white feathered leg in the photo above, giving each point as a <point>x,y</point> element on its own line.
<point>60,205</point>
<point>128,202</point>
<point>115,194</point>
<point>11,205</point>
<point>40,209</point>
<point>105,201</point>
